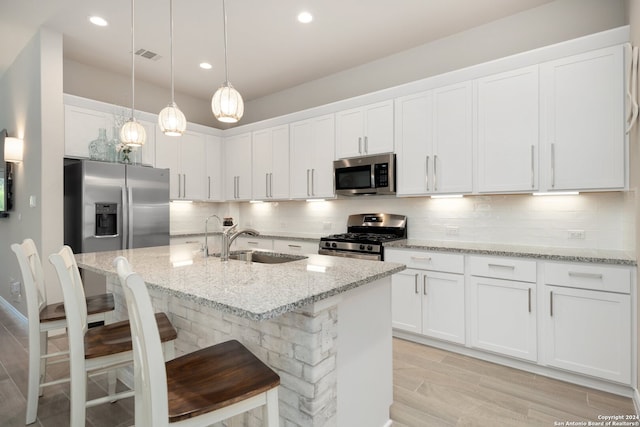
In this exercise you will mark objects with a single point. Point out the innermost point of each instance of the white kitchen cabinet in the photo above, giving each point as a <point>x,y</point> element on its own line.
<point>585,330</point>
<point>213,149</point>
<point>270,163</point>
<point>237,167</point>
<point>502,313</point>
<point>312,155</point>
<point>185,156</point>
<point>507,131</point>
<point>81,127</point>
<point>582,122</point>
<point>434,141</point>
<point>300,247</point>
<point>250,242</point>
<point>428,302</point>
<point>366,130</point>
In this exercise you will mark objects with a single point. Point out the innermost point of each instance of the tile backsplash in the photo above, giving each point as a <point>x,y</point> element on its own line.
<point>589,220</point>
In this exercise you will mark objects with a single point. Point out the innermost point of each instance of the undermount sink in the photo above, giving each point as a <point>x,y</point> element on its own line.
<point>266,257</point>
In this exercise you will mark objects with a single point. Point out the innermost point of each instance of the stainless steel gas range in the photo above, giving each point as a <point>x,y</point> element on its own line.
<point>365,236</point>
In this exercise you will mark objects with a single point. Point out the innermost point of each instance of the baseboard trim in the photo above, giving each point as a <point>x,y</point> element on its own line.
<point>14,310</point>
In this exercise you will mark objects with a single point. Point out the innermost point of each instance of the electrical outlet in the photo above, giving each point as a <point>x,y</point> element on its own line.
<point>576,234</point>
<point>451,230</point>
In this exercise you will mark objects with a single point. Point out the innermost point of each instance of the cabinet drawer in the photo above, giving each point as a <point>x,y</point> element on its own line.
<point>436,261</point>
<point>503,268</point>
<point>596,277</point>
<point>295,246</point>
<point>243,242</point>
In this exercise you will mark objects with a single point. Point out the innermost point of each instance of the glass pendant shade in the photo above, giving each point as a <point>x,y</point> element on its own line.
<point>227,104</point>
<point>132,134</point>
<point>172,121</point>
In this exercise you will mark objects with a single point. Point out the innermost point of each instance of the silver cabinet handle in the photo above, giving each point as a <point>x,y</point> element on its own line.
<point>294,246</point>
<point>209,190</point>
<point>435,172</point>
<point>359,145</point>
<point>308,180</point>
<point>313,192</point>
<point>130,216</point>
<point>551,303</point>
<point>184,185</point>
<point>124,222</point>
<point>271,185</point>
<point>585,275</point>
<point>416,283</point>
<point>426,175</point>
<point>366,145</point>
<point>424,285</point>
<point>179,185</point>
<point>266,185</point>
<point>421,258</point>
<point>238,196</point>
<point>512,267</point>
<point>529,300</point>
<point>532,168</point>
<point>553,165</point>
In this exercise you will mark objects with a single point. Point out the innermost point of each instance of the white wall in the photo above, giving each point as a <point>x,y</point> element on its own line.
<point>548,24</point>
<point>31,107</point>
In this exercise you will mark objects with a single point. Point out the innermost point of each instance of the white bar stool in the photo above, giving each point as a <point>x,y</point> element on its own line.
<point>199,388</point>
<point>99,349</point>
<point>43,318</point>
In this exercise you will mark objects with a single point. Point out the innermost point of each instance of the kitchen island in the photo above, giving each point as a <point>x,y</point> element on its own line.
<point>323,323</point>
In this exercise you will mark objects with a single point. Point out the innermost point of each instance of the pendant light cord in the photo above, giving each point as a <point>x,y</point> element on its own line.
<point>133,60</point>
<point>224,26</point>
<point>171,49</point>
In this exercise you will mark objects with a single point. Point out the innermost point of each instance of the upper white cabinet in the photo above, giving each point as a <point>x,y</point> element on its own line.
<point>312,154</point>
<point>81,126</point>
<point>582,124</point>
<point>434,141</point>
<point>185,157</point>
<point>364,131</point>
<point>213,148</point>
<point>237,167</point>
<point>270,159</point>
<point>507,131</point>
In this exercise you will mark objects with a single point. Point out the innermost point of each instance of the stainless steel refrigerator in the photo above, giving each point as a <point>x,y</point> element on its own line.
<point>110,206</point>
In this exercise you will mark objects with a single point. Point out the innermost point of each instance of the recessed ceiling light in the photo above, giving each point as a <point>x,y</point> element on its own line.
<point>305,17</point>
<point>205,66</point>
<point>97,20</point>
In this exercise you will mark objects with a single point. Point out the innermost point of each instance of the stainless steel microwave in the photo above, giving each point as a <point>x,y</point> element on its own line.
<point>365,175</point>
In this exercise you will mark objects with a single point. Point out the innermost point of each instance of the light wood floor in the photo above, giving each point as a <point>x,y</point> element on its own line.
<point>431,388</point>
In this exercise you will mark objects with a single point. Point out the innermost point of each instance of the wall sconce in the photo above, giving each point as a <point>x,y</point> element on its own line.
<point>13,149</point>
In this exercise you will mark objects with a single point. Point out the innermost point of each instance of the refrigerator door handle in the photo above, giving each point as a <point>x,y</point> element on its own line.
<point>130,218</point>
<point>124,222</point>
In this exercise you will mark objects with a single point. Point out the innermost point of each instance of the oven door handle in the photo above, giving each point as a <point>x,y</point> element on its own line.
<point>350,254</point>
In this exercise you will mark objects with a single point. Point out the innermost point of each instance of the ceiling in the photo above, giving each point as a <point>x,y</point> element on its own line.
<point>269,50</point>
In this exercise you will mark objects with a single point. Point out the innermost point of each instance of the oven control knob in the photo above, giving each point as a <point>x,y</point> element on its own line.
<point>369,248</point>
<point>327,244</point>
<point>333,245</point>
<point>362,247</point>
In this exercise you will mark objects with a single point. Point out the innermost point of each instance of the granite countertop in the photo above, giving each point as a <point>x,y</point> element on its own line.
<point>251,290</point>
<point>521,251</point>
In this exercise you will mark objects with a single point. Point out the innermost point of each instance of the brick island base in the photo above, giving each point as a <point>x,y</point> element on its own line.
<point>334,357</point>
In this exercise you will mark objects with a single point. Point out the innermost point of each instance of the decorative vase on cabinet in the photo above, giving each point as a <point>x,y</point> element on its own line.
<point>98,147</point>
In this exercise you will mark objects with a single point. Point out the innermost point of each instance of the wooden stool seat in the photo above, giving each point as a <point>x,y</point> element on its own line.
<point>95,304</point>
<point>198,389</point>
<point>116,337</point>
<point>213,378</point>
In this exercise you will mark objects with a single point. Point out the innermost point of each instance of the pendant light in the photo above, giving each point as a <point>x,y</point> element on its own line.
<point>171,120</point>
<point>227,104</point>
<point>132,133</point>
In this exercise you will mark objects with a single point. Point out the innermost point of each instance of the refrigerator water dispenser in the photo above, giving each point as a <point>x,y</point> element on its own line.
<point>106,219</point>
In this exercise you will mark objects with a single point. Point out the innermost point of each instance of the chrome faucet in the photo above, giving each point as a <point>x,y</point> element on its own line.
<point>205,248</point>
<point>229,235</point>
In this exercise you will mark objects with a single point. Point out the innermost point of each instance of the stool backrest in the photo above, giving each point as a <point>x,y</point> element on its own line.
<point>33,279</point>
<point>75,308</point>
<point>149,367</point>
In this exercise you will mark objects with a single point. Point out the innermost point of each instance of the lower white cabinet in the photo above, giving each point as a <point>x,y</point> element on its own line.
<point>250,242</point>
<point>426,302</point>
<point>301,247</point>
<point>502,309</point>
<point>585,330</point>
